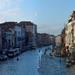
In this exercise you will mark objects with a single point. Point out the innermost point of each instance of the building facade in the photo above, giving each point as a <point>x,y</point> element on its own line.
<point>20,35</point>
<point>58,40</point>
<point>31,31</point>
<point>68,33</point>
<point>44,39</point>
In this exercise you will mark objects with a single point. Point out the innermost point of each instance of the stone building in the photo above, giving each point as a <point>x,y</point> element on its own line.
<point>44,39</point>
<point>68,33</point>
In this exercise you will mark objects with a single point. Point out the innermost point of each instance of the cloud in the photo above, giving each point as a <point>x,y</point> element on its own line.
<point>9,4</point>
<point>12,10</point>
<point>11,14</point>
<point>9,10</point>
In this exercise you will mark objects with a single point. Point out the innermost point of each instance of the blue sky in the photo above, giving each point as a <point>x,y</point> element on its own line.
<point>49,15</point>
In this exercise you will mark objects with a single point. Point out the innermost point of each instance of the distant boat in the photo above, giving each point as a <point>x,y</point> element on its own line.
<point>50,54</point>
<point>68,63</point>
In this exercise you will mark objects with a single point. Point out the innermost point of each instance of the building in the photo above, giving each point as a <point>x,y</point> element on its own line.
<point>63,37</point>
<point>0,39</point>
<point>52,40</point>
<point>68,33</point>
<point>5,26</point>
<point>9,39</point>
<point>44,39</point>
<point>19,36</point>
<point>31,31</point>
<point>58,40</point>
<point>6,32</point>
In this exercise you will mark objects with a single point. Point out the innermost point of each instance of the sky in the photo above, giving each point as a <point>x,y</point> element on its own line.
<point>49,15</point>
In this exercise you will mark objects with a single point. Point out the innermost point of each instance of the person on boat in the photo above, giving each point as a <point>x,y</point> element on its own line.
<point>52,53</point>
<point>45,51</point>
<point>17,58</point>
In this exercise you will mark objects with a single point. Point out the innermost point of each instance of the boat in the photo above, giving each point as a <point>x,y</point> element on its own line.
<point>68,63</point>
<point>13,52</point>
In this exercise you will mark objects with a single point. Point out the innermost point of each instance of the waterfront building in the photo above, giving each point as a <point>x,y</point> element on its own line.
<point>9,39</point>
<point>31,31</point>
<point>44,39</point>
<point>19,36</point>
<point>68,33</point>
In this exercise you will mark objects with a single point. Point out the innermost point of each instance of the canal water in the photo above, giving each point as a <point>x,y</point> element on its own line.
<point>32,63</point>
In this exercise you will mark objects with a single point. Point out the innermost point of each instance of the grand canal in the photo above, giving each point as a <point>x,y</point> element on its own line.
<point>35,63</point>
